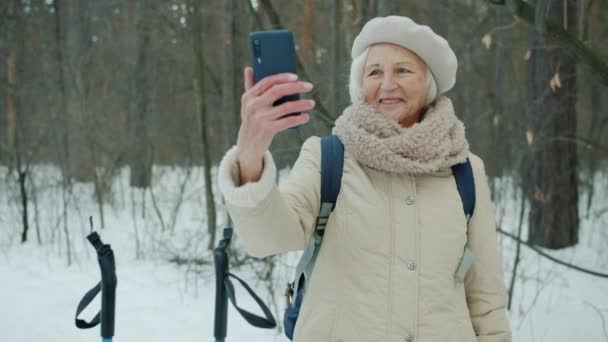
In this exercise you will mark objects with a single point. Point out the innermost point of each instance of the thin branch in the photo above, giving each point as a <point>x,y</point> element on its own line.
<point>506,26</point>
<point>163,227</point>
<point>527,12</point>
<point>180,200</point>
<point>537,250</point>
<point>581,141</point>
<point>518,248</point>
<point>601,314</point>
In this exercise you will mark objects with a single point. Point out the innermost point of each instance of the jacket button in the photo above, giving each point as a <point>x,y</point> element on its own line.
<point>409,338</point>
<point>411,265</point>
<point>409,200</point>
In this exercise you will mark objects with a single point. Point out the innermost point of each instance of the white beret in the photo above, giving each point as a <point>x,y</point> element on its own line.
<point>433,49</point>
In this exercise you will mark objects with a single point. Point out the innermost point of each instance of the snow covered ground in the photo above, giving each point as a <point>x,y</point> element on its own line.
<point>552,302</point>
<point>160,301</point>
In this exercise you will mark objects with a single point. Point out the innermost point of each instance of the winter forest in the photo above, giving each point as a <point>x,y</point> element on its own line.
<point>121,110</point>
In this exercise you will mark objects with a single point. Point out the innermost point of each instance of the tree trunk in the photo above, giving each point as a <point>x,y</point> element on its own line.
<point>62,119</point>
<point>34,193</point>
<point>363,13</point>
<point>230,117</point>
<point>336,47</point>
<point>595,127</point>
<point>229,109</point>
<point>307,49</point>
<point>387,7</point>
<point>100,197</point>
<point>22,176</point>
<point>552,191</point>
<point>140,158</point>
<point>73,37</point>
<point>199,89</point>
<point>15,117</point>
<point>496,163</point>
<point>11,79</point>
<point>595,134</point>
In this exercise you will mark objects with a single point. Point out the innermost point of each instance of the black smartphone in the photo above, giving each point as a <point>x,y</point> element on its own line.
<point>273,52</point>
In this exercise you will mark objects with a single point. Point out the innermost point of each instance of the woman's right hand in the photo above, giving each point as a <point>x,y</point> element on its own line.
<point>261,121</point>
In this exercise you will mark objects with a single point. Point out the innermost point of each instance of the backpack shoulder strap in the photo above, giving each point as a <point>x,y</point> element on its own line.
<point>332,165</point>
<point>465,182</point>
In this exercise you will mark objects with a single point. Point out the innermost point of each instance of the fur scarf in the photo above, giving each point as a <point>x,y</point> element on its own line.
<point>435,143</point>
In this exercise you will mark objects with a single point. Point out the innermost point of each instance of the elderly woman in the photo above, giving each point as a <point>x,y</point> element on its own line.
<point>385,271</point>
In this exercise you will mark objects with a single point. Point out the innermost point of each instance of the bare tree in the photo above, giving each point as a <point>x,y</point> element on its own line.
<point>140,157</point>
<point>364,12</point>
<point>14,116</point>
<point>386,7</point>
<point>230,111</point>
<point>231,117</point>
<point>199,86</point>
<point>553,188</point>
<point>11,78</point>
<point>73,37</point>
<point>599,121</point>
<point>336,55</point>
<point>306,37</point>
<point>62,118</point>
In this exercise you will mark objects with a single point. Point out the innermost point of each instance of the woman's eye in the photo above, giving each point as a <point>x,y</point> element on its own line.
<point>374,72</point>
<point>402,70</point>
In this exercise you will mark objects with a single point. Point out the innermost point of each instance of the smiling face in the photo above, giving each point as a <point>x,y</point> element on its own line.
<point>394,82</point>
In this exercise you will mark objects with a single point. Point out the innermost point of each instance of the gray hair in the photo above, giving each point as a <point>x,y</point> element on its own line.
<point>356,78</point>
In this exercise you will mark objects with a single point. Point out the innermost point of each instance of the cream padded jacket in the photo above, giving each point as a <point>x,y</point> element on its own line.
<point>385,271</point>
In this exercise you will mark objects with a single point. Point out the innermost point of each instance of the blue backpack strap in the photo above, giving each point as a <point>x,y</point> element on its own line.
<point>465,183</point>
<point>332,165</point>
<point>463,173</point>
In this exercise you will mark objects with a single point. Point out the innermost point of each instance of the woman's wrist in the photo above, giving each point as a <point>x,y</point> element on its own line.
<point>250,168</point>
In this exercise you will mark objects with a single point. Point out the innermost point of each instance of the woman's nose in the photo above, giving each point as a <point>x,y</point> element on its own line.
<point>388,82</point>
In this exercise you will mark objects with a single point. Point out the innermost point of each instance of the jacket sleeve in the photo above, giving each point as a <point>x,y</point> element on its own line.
<point>271,219</point>
<point>484,282</point>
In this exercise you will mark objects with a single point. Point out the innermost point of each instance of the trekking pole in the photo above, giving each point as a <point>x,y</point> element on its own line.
<point>224,290</point>
<point>220,260</point>
<point>107,287</point>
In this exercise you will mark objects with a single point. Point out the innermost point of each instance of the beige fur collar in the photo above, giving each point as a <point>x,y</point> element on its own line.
<point>435,143</point>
